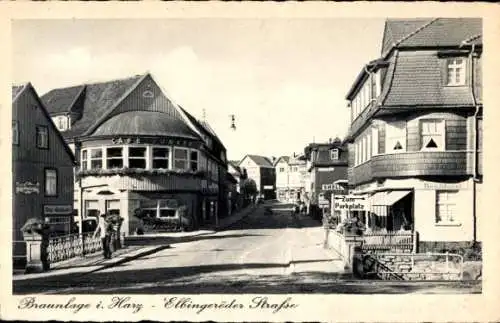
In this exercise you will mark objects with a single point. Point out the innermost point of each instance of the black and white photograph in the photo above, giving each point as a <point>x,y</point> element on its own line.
<point>265,156</point>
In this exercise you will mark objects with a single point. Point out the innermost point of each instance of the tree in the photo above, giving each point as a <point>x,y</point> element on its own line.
<point>248,189</point>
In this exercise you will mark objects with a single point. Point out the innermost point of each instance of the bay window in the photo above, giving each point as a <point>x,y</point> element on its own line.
<point>432,134</point>
<point>180,158</point>
<point>96,158</point>
<point>395,137</point>
<point>137,157</point>
<point>161,156</point>
<point>114,158</point>
<point>84,162</point>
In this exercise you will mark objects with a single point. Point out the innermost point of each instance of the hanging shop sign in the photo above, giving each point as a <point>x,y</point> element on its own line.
<point>28,188</point>
<point>57,209</point>
<point>349,202</point>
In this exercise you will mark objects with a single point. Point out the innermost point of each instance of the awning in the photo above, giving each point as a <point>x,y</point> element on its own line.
<point>387,198</point>
<point>394,196</point>
<point>378,198</point>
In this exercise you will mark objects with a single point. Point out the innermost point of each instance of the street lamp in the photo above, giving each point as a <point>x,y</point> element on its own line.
<point>80,229</point>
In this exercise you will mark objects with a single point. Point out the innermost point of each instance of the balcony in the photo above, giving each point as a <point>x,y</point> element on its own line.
<point>409,164</point>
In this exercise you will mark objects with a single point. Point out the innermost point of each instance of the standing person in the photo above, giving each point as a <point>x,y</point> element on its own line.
<point>104,232</point>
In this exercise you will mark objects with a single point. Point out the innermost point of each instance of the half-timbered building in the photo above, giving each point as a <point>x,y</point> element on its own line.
<point>415,137</point>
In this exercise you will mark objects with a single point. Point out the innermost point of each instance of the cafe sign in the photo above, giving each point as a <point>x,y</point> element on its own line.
<point>349,203</point>
<point>27,188</point>
<point>57,209</point>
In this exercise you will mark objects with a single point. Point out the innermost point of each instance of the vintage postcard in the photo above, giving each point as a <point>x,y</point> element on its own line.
<point>250,162</point>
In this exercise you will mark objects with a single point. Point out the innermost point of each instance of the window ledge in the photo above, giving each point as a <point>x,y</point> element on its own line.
<point>448,224</point>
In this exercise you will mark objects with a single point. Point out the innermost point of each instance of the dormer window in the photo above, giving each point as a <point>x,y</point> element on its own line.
<point>61,123</point>
<point>334,154</point>
<point>455,68</point>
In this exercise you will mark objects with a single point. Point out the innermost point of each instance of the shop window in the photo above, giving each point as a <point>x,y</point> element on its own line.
<point>446,207</point>
<point>113,207</point>
<point>396,137</point>
<point>167,208</point>
<point>114,157</point>
<point>137,157</point>
<point>180,158</point>
<point>96,158</point>
<point>15,132</point>
<point>83,160</point>
<point>455,71</point>
<point>50,182</point>
<point>91,208</point>
<point>433,134</point>
<point>161,157</point>
<point>42,137</point>
<point>194,160</point>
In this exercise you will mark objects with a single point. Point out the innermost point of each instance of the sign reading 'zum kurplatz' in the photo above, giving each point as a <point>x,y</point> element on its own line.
<point>349,203</point>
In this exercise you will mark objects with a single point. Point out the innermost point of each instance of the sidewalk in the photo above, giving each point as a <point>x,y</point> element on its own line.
<point>135,247</point>
<point>308,254</point>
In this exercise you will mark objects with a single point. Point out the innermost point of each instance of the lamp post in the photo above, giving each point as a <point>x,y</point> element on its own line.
<point>80,228</point>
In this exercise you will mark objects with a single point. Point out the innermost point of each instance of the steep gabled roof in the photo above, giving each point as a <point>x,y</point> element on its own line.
<point>16,89</point>
<point>259,160</point>
<point>201,126</point>
<point>100,99</point>
<point>285,158</point>
<point>62,100</point>
<point>431,32</point>
<point>16,93</point>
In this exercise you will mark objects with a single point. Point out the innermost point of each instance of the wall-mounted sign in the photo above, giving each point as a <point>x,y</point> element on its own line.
<point>444,186</point>
<point>28,188</point>
<point>268,187</point>
<point>154,141</point>
<point>57,209</point>
<point>349,203</point>
<point>327,169</point>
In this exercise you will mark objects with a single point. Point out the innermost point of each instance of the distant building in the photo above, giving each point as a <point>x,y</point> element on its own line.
<point>291,175</point>
<point>42,166</point>
<point>140,152</point>
<point>415,139</point>
<point>261,170</point>
<point>326,165</point>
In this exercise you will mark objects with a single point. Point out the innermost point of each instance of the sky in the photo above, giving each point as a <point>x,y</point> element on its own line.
<point>285,80</point>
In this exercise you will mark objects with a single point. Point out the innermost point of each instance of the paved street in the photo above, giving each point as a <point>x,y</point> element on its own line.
<point>278,253</point>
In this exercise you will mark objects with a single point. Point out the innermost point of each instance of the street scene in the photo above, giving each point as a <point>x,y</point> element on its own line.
<point>185,163</point>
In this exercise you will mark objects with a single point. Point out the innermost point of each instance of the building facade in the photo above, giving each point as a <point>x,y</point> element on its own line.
<point>261,170</point>
<point>140,152</point>
<point>42,167</point>
<point>290,178</point>
<point>326,165</point>
<point>415,139</point>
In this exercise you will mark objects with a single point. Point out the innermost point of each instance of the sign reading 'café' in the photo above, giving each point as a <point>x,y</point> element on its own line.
<point>153,141</point>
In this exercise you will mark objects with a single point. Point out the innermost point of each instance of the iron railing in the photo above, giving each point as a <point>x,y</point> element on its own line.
<point>65,247</point>
<point>400,241</point>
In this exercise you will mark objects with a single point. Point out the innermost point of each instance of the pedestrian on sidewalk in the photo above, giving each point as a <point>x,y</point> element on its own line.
<point>104,231</point>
